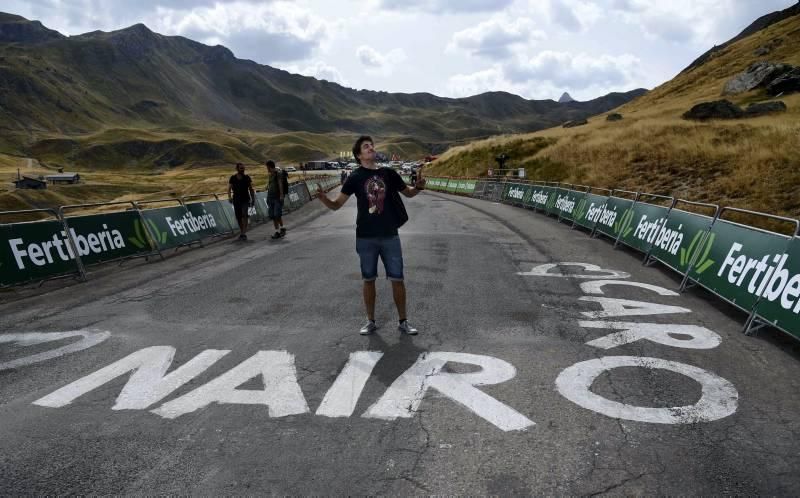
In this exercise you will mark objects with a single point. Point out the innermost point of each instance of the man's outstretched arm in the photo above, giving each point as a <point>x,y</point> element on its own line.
<point>332,204</point>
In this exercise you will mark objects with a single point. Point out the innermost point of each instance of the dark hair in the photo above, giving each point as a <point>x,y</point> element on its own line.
<point>357,146</point>
<point>239,164</point>
<point>270,164</point>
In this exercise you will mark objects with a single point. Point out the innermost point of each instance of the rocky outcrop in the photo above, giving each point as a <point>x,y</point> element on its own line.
<point>758,74</point>
<point>574,123</point>
<point>786,83</point>
<point>614,116</point>
<point>767,48</point>
<point>718,109</point>
<point>764,108</point>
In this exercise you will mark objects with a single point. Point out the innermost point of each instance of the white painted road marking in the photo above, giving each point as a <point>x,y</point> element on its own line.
<point>699,337</point>
<point>719,397</point>
<point>342,397</point>
<point>596,287</point>
<point>404,396</point>
<point>89,338</point>
<point>602,273</point>
<point>281,391</point>
<point>613,307</point>
<point>147,385</point>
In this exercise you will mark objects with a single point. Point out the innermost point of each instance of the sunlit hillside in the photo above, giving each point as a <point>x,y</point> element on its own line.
<point>752,163</point>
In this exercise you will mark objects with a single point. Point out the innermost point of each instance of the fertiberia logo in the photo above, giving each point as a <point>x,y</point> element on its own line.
<point>767,278</point>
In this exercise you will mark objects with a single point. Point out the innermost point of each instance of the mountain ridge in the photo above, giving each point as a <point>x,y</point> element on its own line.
<point>133,77</point>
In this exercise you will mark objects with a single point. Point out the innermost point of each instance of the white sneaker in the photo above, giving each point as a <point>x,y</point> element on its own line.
<point>368,328</point>
<point>407,328</point>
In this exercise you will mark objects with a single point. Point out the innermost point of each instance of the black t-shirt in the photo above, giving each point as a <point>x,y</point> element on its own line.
<point>241,188</point>
<point>373,188</point>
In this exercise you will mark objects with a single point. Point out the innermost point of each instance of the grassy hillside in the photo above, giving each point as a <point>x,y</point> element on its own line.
<point>749,163</point>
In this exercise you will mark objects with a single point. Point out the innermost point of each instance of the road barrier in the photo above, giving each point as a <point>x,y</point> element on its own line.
<point>65,245</point>
<point>756,270</point>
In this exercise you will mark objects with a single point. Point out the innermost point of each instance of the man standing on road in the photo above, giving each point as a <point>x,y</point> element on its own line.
<point>243,197</point>
<point>380,214</point>
<point>275,194</point>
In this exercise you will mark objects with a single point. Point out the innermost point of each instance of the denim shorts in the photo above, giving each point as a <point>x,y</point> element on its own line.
<point>390,252</point>
<point>274,207</point>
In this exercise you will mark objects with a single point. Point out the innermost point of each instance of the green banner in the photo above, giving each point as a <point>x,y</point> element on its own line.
<point>590,210</point>
<point>106,237</point>
<point>780,299</point>
<point>566,202</point>
<point>216,209</point>
<point>648,219</point>
<point>514,193</point>
<point>538,197</point>
<point>617,218</point>
<point>451,185</point>
<point>174,226</point>
<point>550,207</point>
<point>679,238</point>
<point>34,251</point>
<point>740,263</point>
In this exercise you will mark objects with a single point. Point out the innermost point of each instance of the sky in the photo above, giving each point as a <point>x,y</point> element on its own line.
<point>453,48</point>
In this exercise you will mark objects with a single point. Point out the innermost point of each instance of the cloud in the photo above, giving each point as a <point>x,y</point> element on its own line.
<point>495,38</point>
<point>701,22</point>
<point>465,85</point>
<point>265,33</point>
<point>446,6</point>
<point>549,73</point>
<point>562,14</point>
<point>574,71</point>
<point>377,63</point>
<point>317,69</point>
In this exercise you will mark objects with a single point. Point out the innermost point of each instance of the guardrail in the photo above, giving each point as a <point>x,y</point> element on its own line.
<point>64,246</point>
<point>755,270</point>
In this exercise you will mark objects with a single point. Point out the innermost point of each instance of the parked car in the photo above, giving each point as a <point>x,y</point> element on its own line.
<point>290,169</point>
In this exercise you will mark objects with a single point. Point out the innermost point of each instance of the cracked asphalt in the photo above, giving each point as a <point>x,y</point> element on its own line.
<point>303,295</point>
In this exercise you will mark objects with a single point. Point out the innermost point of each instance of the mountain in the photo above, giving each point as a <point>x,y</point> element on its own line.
<point>759,24</point>
<point>565,97</point>
<point>750,163</point>
<point>54,87</point>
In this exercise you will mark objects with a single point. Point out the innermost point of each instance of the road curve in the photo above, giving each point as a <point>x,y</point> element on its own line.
<point>527,377</point>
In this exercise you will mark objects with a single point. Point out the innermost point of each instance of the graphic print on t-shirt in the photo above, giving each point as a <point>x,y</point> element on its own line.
<point>376,194</point>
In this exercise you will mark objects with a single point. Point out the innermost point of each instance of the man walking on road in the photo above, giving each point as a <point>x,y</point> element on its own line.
<point>380,214</point>
<point>241,186</point>
<point>276,191</point>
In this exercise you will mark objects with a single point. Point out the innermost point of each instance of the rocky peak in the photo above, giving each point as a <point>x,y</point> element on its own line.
<point>16,29</point>
<point>565,97</point>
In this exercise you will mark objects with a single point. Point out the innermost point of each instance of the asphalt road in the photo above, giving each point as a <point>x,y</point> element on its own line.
<point>499,393</point>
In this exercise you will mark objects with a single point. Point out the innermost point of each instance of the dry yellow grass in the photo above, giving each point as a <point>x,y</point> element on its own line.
<point>749,163</point>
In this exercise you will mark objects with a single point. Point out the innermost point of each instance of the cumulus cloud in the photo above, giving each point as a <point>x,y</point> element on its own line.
<point>496,37</point>
<point>702,22</point>
<point>465,85</point>
<point>575,71</point>
<point>377,63</point>
<point>549,73</point>
<point>265,33</point>
<point>317,69</point>
<point>446,6</point>
<point>562,14</point>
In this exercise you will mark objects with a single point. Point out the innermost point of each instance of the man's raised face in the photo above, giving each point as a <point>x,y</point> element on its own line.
<point>240,168</point>
<point>367,150</point>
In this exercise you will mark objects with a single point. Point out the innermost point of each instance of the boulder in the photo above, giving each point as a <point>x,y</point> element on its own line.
<point>767,48</point>
<point>718,109</point>
<point>764,108</point>
<point>786,83</point>
<point>574,123</point>
<point>614,116</point>
<point>758,74</point>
